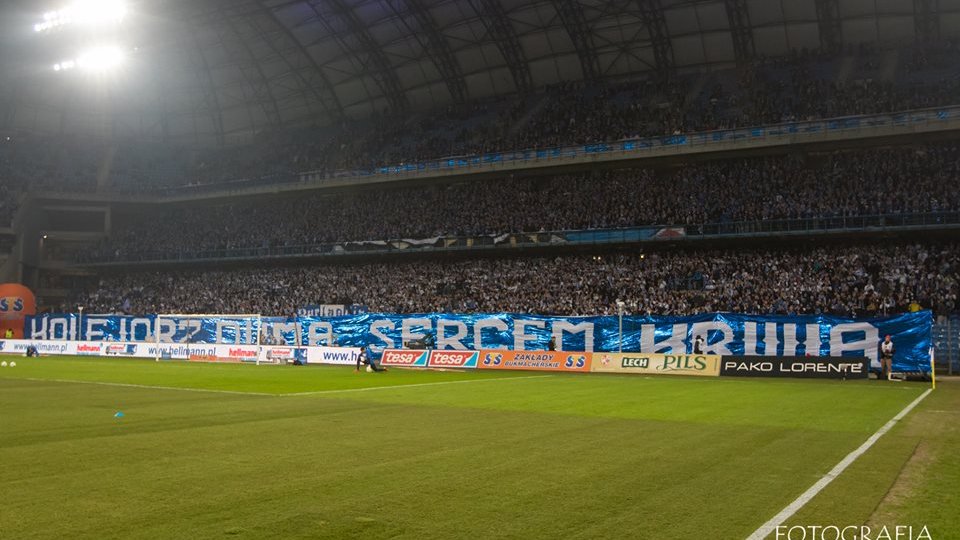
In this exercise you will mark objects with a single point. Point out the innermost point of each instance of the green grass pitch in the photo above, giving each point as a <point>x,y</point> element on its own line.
<point>214,451</point>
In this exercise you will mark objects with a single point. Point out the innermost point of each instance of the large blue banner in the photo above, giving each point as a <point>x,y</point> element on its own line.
<point>725,333</point>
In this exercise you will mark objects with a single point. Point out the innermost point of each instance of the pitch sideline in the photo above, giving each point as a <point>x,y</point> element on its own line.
<point>265,394</point>
<point>767,528</point>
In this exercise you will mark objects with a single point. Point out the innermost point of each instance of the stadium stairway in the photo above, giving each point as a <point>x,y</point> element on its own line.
<point>946,345</point>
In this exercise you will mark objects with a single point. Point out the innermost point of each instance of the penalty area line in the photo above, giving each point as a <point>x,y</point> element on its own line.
<point>767,528</point>
<point>401,386</point>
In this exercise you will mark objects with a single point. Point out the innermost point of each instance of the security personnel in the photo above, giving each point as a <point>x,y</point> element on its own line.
<point>886,356</point>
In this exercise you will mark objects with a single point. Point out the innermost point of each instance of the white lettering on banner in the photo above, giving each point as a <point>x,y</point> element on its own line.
<point>276,330</point>
<point>751,337</point>
<point>169,328</point>
<point>166,328</point>
<point>58,329</point>
<point>407,334</point>
<point>585,328</point>
<point>674,344</point>
<point>867,346</point>
<point>480,325</point>
<point>94,330</point>
<point>41,332</point>
<point>224,325</point>
<point>321,332</point>
<point>812,345</point>
<point>490,332</point>
<point>703,329</point>
<point>451,342</point>
<point>376,328</point>
<point>146,324</point>
<point>323,310</point>
<point>796,347</point>
<point>520,335</point>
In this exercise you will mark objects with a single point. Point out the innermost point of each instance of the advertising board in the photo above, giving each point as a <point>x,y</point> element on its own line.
<point>536,360</point>
<point>657,364</point>
<point>805,367</point>
<point>404,358</point>
<point>453,359</point>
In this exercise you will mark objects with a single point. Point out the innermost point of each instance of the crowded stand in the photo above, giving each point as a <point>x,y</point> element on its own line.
<point>901,180</point>
<point>801,86</point>
<point>842,280</point>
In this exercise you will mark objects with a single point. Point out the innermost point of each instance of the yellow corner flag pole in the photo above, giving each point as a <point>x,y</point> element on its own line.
<point>933,372</point>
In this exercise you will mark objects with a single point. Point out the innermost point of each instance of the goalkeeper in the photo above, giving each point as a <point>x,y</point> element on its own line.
<point>364,358</point>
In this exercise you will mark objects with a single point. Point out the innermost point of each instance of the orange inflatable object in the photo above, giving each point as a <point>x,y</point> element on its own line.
<point>16,302</point>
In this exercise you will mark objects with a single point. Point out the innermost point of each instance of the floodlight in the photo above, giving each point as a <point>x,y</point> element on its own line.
<point>97,59</point>
<point>89,12</point>
<point>100,58</point>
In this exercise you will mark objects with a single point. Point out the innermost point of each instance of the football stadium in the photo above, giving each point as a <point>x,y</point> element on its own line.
<point>430,269</point>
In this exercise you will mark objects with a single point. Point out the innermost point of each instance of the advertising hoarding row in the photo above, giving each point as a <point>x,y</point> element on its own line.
<point>191,352</point>
<point>488,359</point>
<point>697,365</point>
<point>493,359</point>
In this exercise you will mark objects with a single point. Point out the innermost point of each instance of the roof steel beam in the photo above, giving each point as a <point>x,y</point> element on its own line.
<point>210,99</point>
<point>306,68</point>
<point>574,22</point>
<point>926,17</point>
<point>828,22</point>
<point>498,26</point>
<point>652,13</point>
<point>740,30</point>
<point>382,72</point>
<point>249,66</point>
<point>429,36</point>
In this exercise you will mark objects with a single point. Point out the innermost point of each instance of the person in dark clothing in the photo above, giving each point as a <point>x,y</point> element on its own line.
<point>698,345</point>
<point>364,358</point>
<point>886,357</point>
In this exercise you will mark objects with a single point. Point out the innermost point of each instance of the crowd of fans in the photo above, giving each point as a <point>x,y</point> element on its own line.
<point>801,86</point>
<point>769,90</point>
<point>903,180</point>
<point>843,280</point>
<point>850,281</point>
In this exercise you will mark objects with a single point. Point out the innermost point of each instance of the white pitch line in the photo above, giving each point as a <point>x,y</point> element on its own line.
<point>399,386</point>
<point>148,386</point>
<point>792,508</point>
<point>240,393</point>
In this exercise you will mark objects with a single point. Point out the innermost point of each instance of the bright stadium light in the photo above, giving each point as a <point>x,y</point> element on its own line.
<point>96,60</point>
<point>90,12</point>
<point>100,58</point>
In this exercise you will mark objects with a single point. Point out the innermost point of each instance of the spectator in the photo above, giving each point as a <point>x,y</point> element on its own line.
<point>856,281</point>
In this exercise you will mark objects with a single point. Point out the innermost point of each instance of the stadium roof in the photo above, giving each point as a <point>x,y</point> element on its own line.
<point>212,71</point>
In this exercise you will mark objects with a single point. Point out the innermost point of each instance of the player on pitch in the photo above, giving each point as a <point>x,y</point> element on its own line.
<point>364,358</point>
